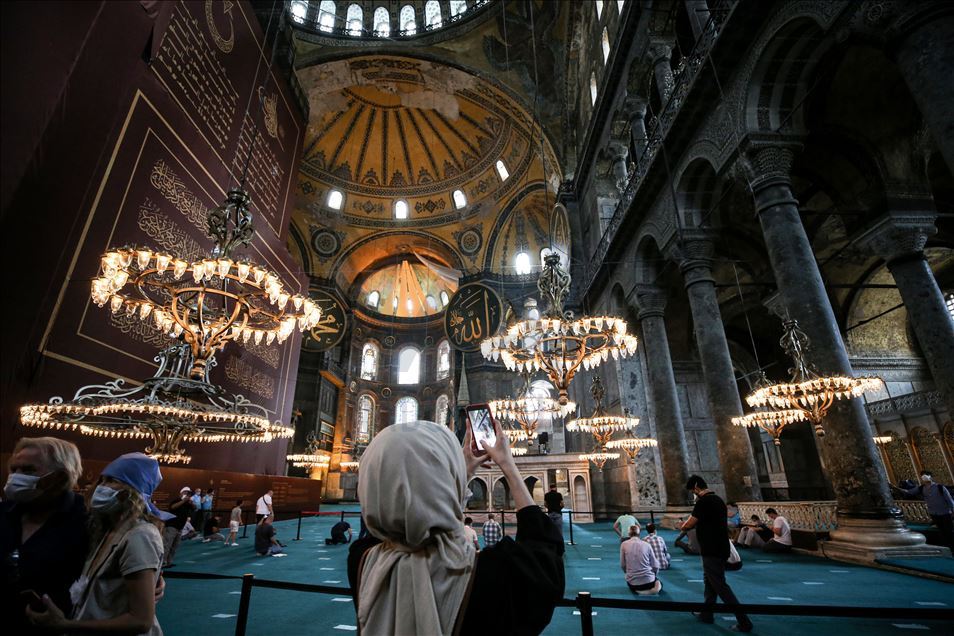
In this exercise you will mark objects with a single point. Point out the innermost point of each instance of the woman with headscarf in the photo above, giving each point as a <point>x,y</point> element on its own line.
<point>115,592</point>
<point>416,573</point>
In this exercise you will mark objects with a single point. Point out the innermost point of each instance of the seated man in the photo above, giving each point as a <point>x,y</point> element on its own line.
<point>782,541</point>
<point>639,563</point>
<point>687,541</point>
<point>211,530</point>
<point>658,545</point>
<point>733,519</point>
<point>622,525</point>
<point>340,533</point>
<point>188,531</point>
<point>265,542</point>
<point>754,533</point>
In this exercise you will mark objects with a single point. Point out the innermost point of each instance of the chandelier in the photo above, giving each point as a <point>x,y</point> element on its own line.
<point>170,408</point>
<point>603,425</point>
<point>313,457</point>
<point>807,391</point>
<point>208,302</point>
<point>527,411</point>
<point>632,446</point>
<point>600,458</point>
<point>556,343</point>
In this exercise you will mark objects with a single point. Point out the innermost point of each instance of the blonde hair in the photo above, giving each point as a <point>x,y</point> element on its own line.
<point>60,454</point>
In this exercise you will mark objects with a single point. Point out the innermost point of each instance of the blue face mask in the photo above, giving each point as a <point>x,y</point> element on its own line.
<point>104,500</point>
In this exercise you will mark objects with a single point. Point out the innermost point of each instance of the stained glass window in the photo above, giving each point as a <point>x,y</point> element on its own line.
<point>355,19</point>
<point>522,263</point>
<point>365,419</point>
<point>400,209</point>
<point>443,360</point>
<point>502,170</point>
<point>298,11</point>
<point>599,9</point>
<point>432,13</point>
<point>326,15</point>
<point>606,45</point>
<point>593,88</point>
<point>335,199</point>
<point>440,410</point>
<point>408,21</point>
<point>373,299</point>
<point>406,410</point>
<point>459,199</point>
<point>382,22</point>
<point>369,361</point>
<point>457,7</point>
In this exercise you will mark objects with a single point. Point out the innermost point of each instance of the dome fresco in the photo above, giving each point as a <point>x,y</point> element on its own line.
<point>405,289</point>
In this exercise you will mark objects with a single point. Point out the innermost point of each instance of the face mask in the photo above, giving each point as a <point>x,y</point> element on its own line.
<point>925,478</point>
<point>21,488</point>
<point>104,500</point>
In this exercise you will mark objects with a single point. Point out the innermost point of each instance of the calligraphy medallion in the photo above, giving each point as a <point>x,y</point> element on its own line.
<point>473,313</point>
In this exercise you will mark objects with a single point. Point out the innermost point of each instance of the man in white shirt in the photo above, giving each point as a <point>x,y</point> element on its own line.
<point>622,525</point>
<point>470,532</point>
<point>639,563</point>
<point>263,507</point>
<point>782,541</point>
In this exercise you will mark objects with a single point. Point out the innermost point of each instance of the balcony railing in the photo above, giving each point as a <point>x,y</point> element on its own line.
<point>819,516</point>
<point>311,22</point>
<point>684,76</point>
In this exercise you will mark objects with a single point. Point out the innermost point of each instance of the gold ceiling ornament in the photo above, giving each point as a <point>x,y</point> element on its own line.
<point>599,458</point>
<point>808,391</point>
<point>527,411</point>
<point>556,343</point>
<point>313,457</point>
<point>169,408</point>
<point>208,302</point>
<point>631,445</point>
<point>601,424</point>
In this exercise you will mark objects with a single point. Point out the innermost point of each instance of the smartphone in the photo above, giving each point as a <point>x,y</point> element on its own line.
<point>31,598</point>
<point>482,427</point>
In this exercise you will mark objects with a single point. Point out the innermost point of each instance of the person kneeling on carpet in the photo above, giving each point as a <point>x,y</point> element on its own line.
<point>639,564</point>
<point>340,533</point>
<point>265,542</point>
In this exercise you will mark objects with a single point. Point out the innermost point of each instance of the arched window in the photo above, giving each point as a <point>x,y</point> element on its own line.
<point>606,45</point>
<point>326,15</point>
<point>394,304</point>
<point>593,88</point>
<point>365,416</point>
<point>431,302</point>
<point>949,301</point>
<point>408,21</point>
<point>374,298</point>
<point>457,7</point>
<point>599,9</point>
<point>369,361</point>
<point>298,11</point>
<point>405,410</point>
<point>443,360</point>
<point>546,251</point>
<point>382,22</point>
<point>400,209</point>
<point>444,298</point>
<point>459,199</point>
<point>502,170</point>
<point>440,410</point>
<point>409,366</point>
<point>432,14</point>
<point>619,4</point>
<point>521,263</point>
<point>355,21</point>
<point>335,199</point>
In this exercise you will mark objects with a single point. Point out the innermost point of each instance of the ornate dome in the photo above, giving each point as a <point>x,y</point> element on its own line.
<point>405,288</point>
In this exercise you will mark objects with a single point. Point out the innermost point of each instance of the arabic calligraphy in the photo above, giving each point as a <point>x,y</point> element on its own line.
<point>330,329</point>
<point>474,313</point>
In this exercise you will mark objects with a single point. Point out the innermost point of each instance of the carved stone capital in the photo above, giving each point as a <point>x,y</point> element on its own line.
<point>659,50</point>
<point>634,107</point>
<point>775,305</point>
<point>694,255</point>
<point>617,151</point>
<point>767,160</point>
<point>649,300</point>
<point>899,235</point>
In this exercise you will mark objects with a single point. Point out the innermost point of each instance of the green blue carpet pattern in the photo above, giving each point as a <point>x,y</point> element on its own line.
<point>210,607</point>
<point>943,567</point>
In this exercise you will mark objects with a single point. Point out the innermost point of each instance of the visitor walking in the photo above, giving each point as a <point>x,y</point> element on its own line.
<point>235,520</point>
<point>708,519</point>
<point>940,505</point>
<point>263,507</point>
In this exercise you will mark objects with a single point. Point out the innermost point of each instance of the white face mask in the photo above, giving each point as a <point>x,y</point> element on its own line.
<point>925,478</point>
<point>21,487</point>
<point>104,499</point>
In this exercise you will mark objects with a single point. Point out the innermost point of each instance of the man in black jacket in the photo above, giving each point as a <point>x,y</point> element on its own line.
<point>708,518</point>
<point>554,502</point>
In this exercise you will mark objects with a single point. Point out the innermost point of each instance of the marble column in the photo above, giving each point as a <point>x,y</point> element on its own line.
<point>925,55</point>
<point>618,152</point>
<point>899,239</point>
<point>698,11</point>
<point>634,109</point>
<point>660,52</point>
<point>651,303</point>
<point>740,475</point>
<point>870,526</point>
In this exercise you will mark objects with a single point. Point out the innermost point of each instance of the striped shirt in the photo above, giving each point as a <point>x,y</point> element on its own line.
<point>492,533</point>
<point>659,549</point>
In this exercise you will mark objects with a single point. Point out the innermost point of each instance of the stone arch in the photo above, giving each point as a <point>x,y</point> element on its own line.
<point>649,260</point>
<point>535,486</point>
<point>697,193</point>
<point>500,498</point>
<point>580,493</point>
<point>780,80</point>
<point>479,494</point>
<point>929,455</point>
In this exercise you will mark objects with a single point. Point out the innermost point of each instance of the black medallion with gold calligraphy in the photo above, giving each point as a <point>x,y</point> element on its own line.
<point>330,329</point>
<point>473,313</point>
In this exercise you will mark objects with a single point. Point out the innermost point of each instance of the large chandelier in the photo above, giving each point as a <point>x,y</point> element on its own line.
<point>210,301</point>
<point>632,446</point>
<point>599,458</point>
<point>557,343</point>
<point>169,408</point>
<point>313,457</point>
<point>807,392</point>
<point>602,425</point>
<point>527,411</point>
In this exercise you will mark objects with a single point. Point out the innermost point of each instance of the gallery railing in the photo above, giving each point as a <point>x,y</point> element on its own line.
<point>819,516</point>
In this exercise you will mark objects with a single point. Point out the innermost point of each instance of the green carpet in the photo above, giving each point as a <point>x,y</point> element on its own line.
<point>591,565</point>
<point>943,567</point>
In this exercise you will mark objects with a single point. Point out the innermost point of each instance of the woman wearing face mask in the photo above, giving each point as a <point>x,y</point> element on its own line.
<point>115,592</point>
<point>43,536</point>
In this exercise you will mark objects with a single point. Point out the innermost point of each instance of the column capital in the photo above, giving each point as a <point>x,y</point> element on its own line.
<point>768,160</point>
<point>694,253</point>
<point>617,150</point>
<point>634,106</point>
<point>659,49</point>
<point>899,235</point>
<point>649,300</point>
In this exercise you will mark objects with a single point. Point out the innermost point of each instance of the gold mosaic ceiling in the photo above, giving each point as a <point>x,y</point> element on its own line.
<point>390,128</point>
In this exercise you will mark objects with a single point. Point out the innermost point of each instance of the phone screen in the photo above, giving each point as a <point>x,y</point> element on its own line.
<point>483,427</point>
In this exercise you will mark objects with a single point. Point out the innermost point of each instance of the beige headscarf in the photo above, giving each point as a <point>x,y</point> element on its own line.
<point>411,490</point>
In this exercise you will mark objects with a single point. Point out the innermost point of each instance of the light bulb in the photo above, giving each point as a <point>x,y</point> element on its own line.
<point>178,268</point>
<point>243,271</point>
<point>198,271</point>
<point>142,258</point>
<point>115,303</point>
<point>162,262</point>
<point>224,265</point>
